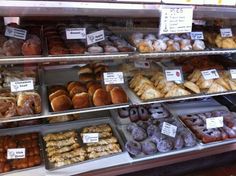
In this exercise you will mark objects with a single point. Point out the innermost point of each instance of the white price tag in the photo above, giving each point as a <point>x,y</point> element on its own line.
<point>142,64</point>
<point>113,78</point>
<point>226,32</point>
<point>233,73</point>
<point>176,19</point>
<point>18,86</point>
<point>16,153</point>
<point>90,137</point>
<point>197,35</point>
<point>215,122</point>
<point>169,129</point>
<point>15,33</point>
<point>174,75</point>
<point>183,1</point>
<point>76,33</point>
<point>210,74</point>
<point>95,37</point>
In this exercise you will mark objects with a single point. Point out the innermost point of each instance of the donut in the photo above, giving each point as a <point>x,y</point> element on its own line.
<point>123,112</point>
<point>139,134</point>
<point>164,145</point>
<point>143,113</point>
<point>149,148</point>
<point>152,129</point>
<point>133,147</point>
<point>179,142</point>
<point>133,114</point>
<point>130,127</point>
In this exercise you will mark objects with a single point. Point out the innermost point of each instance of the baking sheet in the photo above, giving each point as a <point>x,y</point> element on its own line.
<point>78,126</point>
<point>25,130</point>
<point>127,136</point>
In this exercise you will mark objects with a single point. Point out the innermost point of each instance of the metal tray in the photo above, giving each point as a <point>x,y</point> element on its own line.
<point>25,130</point>
<point>63,76</point>
<point>210,144</point>
<point>28,57</point>
<point>127,136</point>
<point>78,126</point>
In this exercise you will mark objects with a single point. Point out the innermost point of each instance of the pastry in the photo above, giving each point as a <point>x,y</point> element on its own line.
<point>101,97</point>
<point>77,89</point>
<point>149,148</point>
<point>57,93</point>
<point>185,45</point>
<point>58,50</point>
<point>191,86</point>
<point>85,69</point>
<point>133,147</point>
<point>123,112</point>
<point>198,45</point>
<point>143,113</point>
<point>139,134</point>
<point>12,47</point>
<point>95,49</point>
<point>216,88</point>
<point>32,46</point>
<point>92,88</point>
<point>86,77</point>
<point>159,45</point>
<point>118,95</point>
<point>81,100</point>
<point>61,103</point>
<point>133,114</point>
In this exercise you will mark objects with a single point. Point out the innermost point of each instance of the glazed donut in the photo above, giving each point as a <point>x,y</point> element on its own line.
<point>139,134</point>
<point>149,148</point>
<point>133,147</point>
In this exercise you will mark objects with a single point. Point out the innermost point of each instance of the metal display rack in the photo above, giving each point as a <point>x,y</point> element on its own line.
<point>123,163</point>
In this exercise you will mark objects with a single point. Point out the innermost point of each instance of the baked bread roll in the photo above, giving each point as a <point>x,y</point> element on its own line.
<point>86,77</point>
<point>118,95</point>
<point>73,84</point>
<point>93,88</point>
<point>81,100</point>
<point>101,97</point>
<point>85,69</point>
<point>57,93</point>
<point>61,103</point>
<point>77,89</point>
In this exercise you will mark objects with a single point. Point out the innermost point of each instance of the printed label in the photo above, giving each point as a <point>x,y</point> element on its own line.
<point>197,35</point>
<point>176,19</point>
<point>142,64</point>
<point>210,74</point>
<point>226,32</point>
<point>15,33</point>
<point>95,37</point>
<point>90,137</point>
<point>16,153</point>
<point>76,33</point>
<point>233,73</point>
<point>169,129</point>
<point>18,86</point>
<point>215,122</point>
<point>174,75</point>
<point>113,78</point>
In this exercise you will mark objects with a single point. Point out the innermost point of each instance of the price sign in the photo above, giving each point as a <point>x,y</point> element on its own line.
<point>226,32</point>
<point>142,64</point>
<point>233,73</point>
<point>16,153</point>
<point>18,86</point>
<point>174,75</point>
<point>90,137</point>
<point>76,33</point>
<point>197,35</point>
<point>215,122</point>
<point>15,33</point>
<point>176,19</point>
<point>183,1</point>
<point>169,129</point>
<point>95,37</point>
<point>210,74</point>
<point>113,78</point>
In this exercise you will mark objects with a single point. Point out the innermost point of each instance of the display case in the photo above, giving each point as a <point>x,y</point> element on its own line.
<point>107,92</point>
